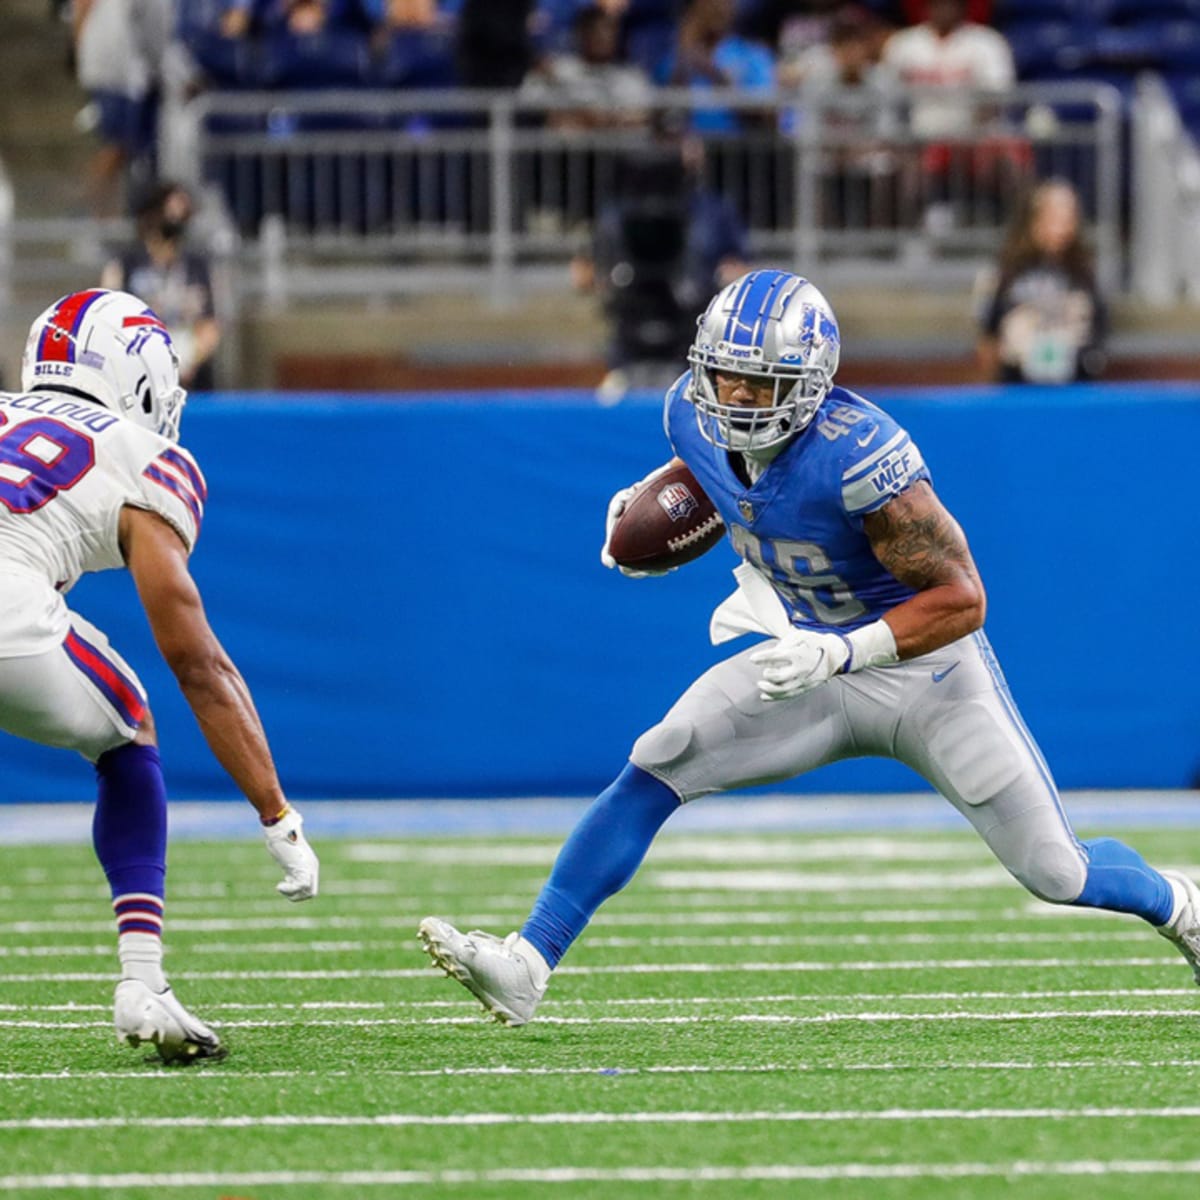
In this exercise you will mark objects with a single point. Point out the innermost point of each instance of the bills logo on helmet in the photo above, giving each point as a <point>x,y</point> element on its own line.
<point>677,501</point>
<point>147,325</point>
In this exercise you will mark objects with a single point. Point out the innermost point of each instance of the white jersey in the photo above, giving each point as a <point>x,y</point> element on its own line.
<point>67,468</point>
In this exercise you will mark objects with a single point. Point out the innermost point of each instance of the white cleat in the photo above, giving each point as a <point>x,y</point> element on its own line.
<point>142,1015</point>
<point>508,976</point>
<point>1184,930</point>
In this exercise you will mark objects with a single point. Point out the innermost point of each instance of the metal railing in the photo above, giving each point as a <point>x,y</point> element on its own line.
<point>1165,217</point>
<point>370,193</point>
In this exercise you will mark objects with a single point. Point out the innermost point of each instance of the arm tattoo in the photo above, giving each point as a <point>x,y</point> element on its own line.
<point>918,541</point>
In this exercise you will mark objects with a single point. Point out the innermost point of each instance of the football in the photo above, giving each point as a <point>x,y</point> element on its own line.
<point>668,522</point>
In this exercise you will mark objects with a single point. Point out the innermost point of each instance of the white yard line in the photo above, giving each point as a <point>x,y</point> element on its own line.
<point>930,1065</point>
<point>409,921</point>
<point>689,968</point>
<point>931,882</point>
<point>733,1117</point>
<point>696,1174</point>
<point>746,848</point>
<point>1082,1014</point>
<point>658,918</point>
<point>401,945</point>
<point>823,998</point>
<point>198,892</point>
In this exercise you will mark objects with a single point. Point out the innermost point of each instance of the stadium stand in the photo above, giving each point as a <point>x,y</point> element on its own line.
<point>342,163</point>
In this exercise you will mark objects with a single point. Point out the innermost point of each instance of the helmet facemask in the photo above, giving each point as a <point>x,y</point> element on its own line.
<point>746,428</point>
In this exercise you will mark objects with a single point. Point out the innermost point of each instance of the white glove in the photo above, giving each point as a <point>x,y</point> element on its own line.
<point>803,659</point>
<point>616,506</point>
<point>290,849</point>
<point>798,662</point>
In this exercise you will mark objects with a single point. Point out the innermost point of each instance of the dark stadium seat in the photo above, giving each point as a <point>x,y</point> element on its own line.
<point>1128,47</point>
<point>1045,46</point>
<point>1176,42</point>
<point>327,59</point>
<point>227,62</point>
<point>1125,12</point>
<point>1010,12</point>
<point>415,59</point>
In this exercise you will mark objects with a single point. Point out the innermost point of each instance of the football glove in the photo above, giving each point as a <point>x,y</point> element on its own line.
<point>616,506</point>
<point>290,849</point>
<point>804,659</point>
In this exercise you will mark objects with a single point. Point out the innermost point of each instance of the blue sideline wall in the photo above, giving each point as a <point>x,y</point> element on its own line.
<point>412,589</point>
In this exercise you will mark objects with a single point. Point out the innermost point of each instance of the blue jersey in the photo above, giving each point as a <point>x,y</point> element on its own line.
<point>801,522</point>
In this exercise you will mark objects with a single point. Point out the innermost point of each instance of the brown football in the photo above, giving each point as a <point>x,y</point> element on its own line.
<point>668,522</point>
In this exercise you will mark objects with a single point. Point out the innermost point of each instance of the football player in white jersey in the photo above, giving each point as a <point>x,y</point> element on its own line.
<point>866,587</point>
<point>91,478</point>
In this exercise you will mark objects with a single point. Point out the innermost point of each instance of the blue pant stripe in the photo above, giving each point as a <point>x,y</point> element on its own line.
<point>1002,690</point>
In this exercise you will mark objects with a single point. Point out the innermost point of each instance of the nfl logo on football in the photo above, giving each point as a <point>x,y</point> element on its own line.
<point>677,501</point>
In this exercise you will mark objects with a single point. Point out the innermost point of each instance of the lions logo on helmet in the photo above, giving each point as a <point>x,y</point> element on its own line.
<point>768,324</point>
<point>110,348</point>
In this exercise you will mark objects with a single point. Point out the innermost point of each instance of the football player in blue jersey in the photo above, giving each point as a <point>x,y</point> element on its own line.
<point>874,608</point>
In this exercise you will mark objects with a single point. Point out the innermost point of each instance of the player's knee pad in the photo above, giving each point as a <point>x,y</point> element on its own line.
<point>1052,870</point>
<point>663,745</point>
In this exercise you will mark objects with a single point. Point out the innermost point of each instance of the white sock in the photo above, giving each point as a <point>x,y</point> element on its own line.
<point>539,968</point>
<point>141,956</point>
<point>1181,898</point>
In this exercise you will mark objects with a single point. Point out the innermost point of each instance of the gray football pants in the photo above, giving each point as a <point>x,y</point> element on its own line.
<point>948,715</point>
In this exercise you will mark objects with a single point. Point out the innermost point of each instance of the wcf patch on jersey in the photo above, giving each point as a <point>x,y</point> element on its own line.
<point>677,501</point>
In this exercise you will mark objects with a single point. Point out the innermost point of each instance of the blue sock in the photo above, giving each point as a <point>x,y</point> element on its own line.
<point>1120,880</point>
<point>599,858</point>
<point>129,828</point>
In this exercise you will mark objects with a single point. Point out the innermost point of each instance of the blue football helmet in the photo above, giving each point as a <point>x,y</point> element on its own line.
<point>777,327</point>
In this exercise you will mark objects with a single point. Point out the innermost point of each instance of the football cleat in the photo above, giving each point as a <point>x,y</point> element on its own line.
<point>142,1015</point>
<point>508,976</point>
<point>1184,930</point>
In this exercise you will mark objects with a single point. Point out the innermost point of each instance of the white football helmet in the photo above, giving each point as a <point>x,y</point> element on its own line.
<point>110,348</point>
<point>770,324</point>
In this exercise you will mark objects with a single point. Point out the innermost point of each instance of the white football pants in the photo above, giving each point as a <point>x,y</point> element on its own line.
<point>948,715</point>
<point>79,695</point>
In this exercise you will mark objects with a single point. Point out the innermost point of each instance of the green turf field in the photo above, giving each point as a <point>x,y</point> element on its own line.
<point>786,1015</point>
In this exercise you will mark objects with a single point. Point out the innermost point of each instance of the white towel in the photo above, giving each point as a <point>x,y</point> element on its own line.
<point>754,608</point>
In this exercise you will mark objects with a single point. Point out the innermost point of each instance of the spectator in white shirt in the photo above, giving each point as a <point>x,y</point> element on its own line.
<point>948,56</point>
<point>952,53</point>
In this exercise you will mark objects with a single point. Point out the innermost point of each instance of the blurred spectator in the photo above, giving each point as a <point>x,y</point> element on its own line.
<point>949,52</point>
<point>119,47</point>
<point>237,20</point>
<point>860,166</point>
<point>660,250</point>
<point>403,14</point>
<point>950,55</point>
<point>494,49</point>
<point>708,54</point>
<point>302,18</point>
<point>914,12</point>
<point>847,57</point>
<point>1043,319</point>
<point>172,280</point>
<point>789,26</point>
<point>608,91</point>
<point>552,22</point>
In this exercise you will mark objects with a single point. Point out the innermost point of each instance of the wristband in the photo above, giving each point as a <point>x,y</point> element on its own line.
<point>873,645</point>
<point>267,822</point>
